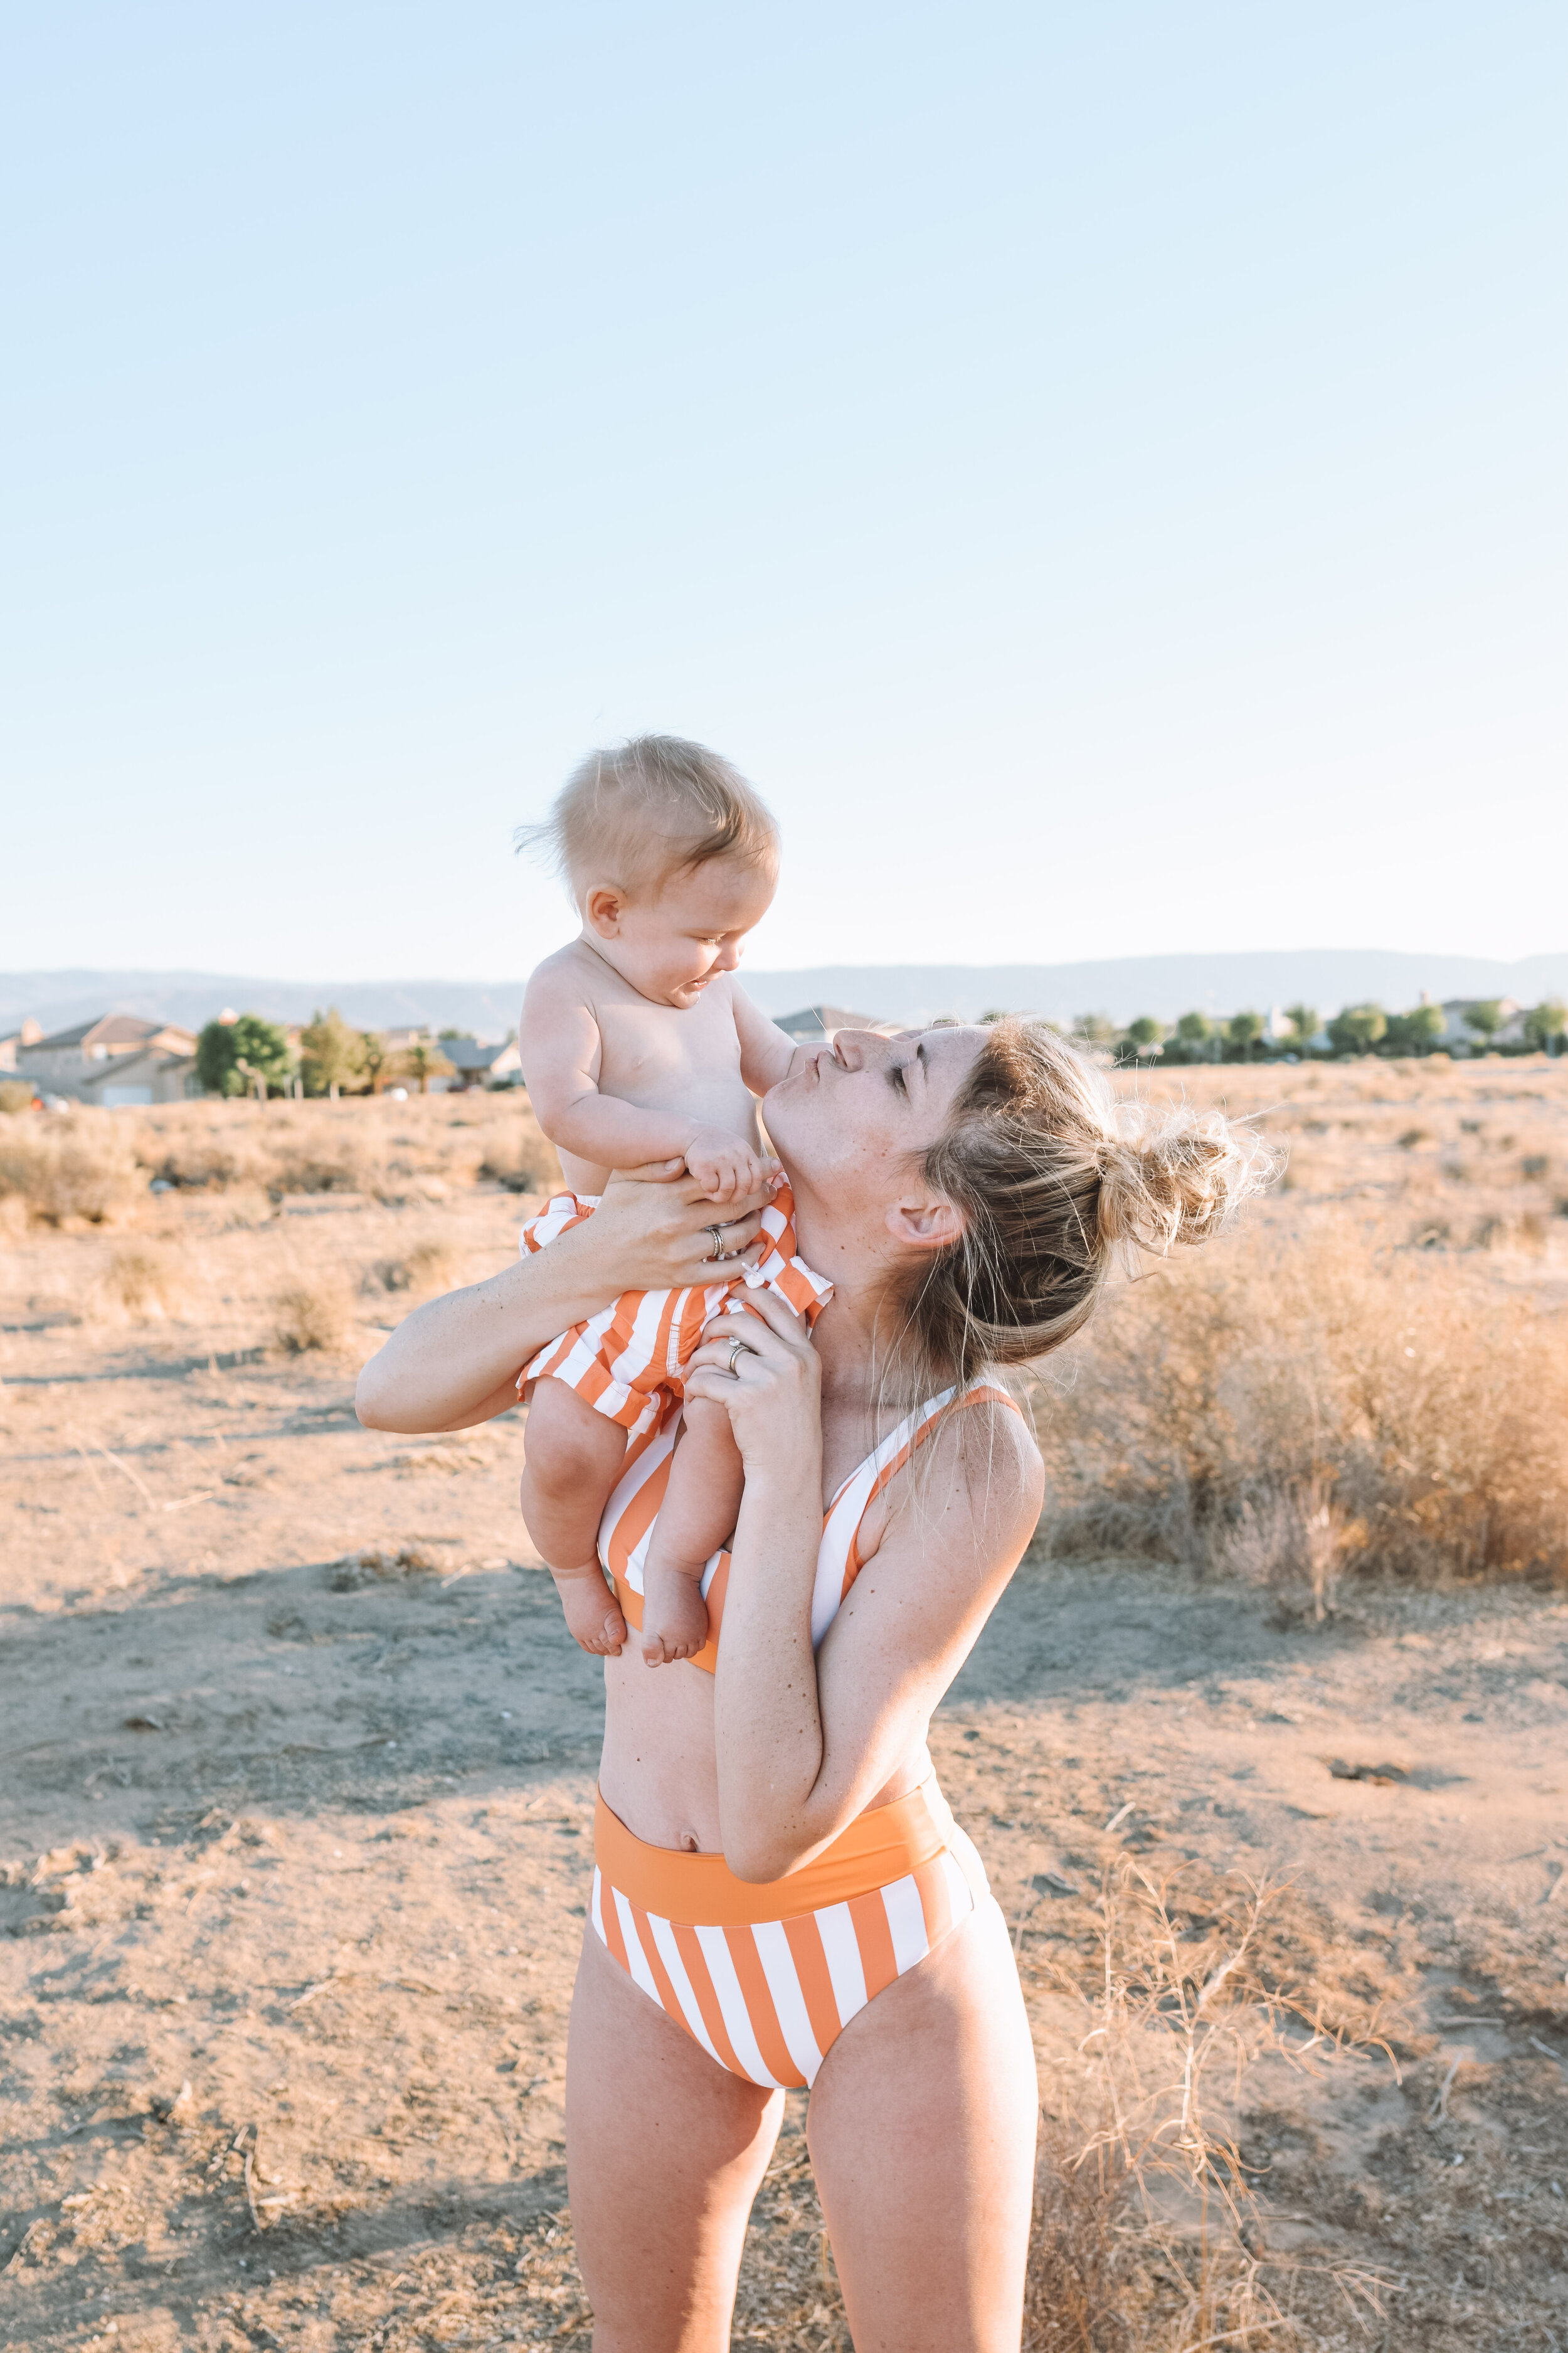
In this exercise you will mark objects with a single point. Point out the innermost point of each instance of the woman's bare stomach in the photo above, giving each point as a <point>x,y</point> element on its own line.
<point>658,1770</point>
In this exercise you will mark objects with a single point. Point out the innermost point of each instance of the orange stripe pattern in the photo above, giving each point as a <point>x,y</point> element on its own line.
<point>628,1361</point>
<point>768,1979</point>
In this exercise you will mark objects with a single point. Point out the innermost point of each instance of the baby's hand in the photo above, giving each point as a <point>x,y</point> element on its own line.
<point>726,1166</point>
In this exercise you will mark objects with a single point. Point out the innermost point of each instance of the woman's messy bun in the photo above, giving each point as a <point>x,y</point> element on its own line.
<point>1057,1181</point>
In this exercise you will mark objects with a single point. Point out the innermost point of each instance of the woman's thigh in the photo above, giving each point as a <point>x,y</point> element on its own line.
<point>665,2151</point>
<point>921,2130</point>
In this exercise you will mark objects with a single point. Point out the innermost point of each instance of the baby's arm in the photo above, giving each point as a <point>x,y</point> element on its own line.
<point>559,1044</point>
<point>767,1055</point>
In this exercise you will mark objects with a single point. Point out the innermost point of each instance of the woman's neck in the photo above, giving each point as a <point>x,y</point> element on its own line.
<point>853,1334</point>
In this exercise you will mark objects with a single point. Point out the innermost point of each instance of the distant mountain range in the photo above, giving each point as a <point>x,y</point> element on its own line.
<point>1121,988</point>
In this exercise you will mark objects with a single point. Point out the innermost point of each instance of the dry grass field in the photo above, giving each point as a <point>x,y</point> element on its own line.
<point>1265,1750</point>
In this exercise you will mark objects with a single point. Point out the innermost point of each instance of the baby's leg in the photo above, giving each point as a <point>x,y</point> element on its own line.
<point>698,1511</point>
<point>572,1460</point>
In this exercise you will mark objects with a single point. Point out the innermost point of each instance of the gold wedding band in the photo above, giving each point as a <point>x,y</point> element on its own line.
<point>717,1252</point>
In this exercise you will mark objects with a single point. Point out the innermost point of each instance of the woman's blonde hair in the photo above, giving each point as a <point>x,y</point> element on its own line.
<point>1056,1183</point>
<point>649,810</point>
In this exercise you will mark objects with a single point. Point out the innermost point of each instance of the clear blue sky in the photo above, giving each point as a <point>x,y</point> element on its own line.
<point>1099,468</point>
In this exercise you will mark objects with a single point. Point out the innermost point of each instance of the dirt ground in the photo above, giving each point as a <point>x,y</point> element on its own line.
<point>296,1766</point>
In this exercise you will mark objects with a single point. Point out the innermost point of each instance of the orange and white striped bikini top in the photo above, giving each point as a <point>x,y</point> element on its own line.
<point>627,1525</point>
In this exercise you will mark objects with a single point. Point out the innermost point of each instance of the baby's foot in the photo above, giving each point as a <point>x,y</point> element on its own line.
<point>673,1616</point>
<point>593,1614</point>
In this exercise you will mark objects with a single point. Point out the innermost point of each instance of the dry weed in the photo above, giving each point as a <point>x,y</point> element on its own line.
<point>429,1267</point>
<point>523,1161</point>
<point>376,1566</point>
<point>73,1166</point>
<point>1151,2229</point>
<point>1296,1406</point>
<point>137,1286</point>
<point>395,1152</point>
<point>312,1314</point>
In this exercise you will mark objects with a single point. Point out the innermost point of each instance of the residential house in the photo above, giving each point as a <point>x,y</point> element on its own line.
<point>11,1043</point>
<point>1456,1032</point>
<point>118,1059</point>
<point>474,1065</point>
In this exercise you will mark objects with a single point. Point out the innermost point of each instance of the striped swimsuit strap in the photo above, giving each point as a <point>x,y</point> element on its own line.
<point>626,1528</point>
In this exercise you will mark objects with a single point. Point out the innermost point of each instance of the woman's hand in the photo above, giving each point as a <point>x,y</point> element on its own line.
<point>656,1230</point>
<point>757,1361</point>
<point>455,1361</point>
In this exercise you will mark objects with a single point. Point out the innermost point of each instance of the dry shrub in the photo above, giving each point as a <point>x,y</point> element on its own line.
<point>373,1565</point>
<point>15,1095</point>
<point>522,1161</point>
<point>312,1314</point>
<point>429,1267</point>
<point>389,1149</point>
<point>136,1285</point>
<point>1150,2229</point>
<point>1298,1406</point>
<point>74,1165</point>
<point>278,1152</point>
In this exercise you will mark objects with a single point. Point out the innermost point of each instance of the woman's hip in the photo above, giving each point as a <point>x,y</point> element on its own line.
<point>765,1977</point>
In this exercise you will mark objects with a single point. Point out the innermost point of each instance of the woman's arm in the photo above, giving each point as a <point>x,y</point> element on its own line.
<point>805,1744</point>
<point>455,1361</point>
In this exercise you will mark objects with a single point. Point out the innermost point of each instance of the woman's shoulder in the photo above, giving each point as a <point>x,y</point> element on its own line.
<point>990,1439</point>
<point>980,1472</point>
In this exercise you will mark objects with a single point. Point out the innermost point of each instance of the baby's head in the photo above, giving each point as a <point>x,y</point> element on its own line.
<point>672,857</point>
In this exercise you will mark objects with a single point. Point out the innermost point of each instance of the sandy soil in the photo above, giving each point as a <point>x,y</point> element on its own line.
<point>297,1769</point>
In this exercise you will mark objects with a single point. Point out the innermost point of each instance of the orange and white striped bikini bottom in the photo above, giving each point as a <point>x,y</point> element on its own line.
<point>766,1975</point>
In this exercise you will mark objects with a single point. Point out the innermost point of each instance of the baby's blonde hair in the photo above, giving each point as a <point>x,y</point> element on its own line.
<point>655,807</point>
<point>1056,1182</point>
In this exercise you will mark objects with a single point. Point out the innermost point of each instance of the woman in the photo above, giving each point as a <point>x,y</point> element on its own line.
<point>779,1894</point>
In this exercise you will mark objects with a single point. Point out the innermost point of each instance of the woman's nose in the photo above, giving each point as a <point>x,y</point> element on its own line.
<point>853,1046</point>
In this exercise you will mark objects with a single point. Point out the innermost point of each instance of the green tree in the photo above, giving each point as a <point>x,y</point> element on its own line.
<point>1416,1032</point>
<point>1304,1025</point>
<point>1144,1034</point>
<point>331,1055</point>
<point>463,1037</point>
<point>1357,1028</point>
<point>245,1057</point>
<point>422,1060</point>
<point>1485,1019</point>
<point>1243,1031</point>
<point>373,1056</point>
<point>1094,1030</point>
<point>1546,1025</point>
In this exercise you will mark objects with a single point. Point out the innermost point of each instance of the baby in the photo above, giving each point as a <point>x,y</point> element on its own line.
<point>637,1046</point>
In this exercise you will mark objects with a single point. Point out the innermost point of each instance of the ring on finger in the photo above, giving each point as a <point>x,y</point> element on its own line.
<point>718,1250</point>
<point>737,1348</point>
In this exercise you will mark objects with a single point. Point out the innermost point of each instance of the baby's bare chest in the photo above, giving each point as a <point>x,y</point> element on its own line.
<point>655,1055</point>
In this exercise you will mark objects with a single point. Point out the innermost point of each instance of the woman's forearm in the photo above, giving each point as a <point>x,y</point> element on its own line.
<point>767,1721</point>
<point>456,1360</point>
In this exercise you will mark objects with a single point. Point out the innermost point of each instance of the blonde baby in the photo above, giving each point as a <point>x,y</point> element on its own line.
<point>639,1045</point>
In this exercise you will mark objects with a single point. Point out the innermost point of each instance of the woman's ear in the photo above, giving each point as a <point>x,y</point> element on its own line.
<point>602,905</point>
<point>931,1223</point>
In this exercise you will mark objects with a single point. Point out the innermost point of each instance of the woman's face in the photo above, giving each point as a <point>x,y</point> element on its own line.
<point>853,1124</point>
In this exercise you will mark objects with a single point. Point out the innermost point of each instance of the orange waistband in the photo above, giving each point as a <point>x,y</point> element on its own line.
<point>883,1844</point>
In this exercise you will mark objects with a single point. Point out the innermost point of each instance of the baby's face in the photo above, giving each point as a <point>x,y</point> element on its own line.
<point>671,947</point>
